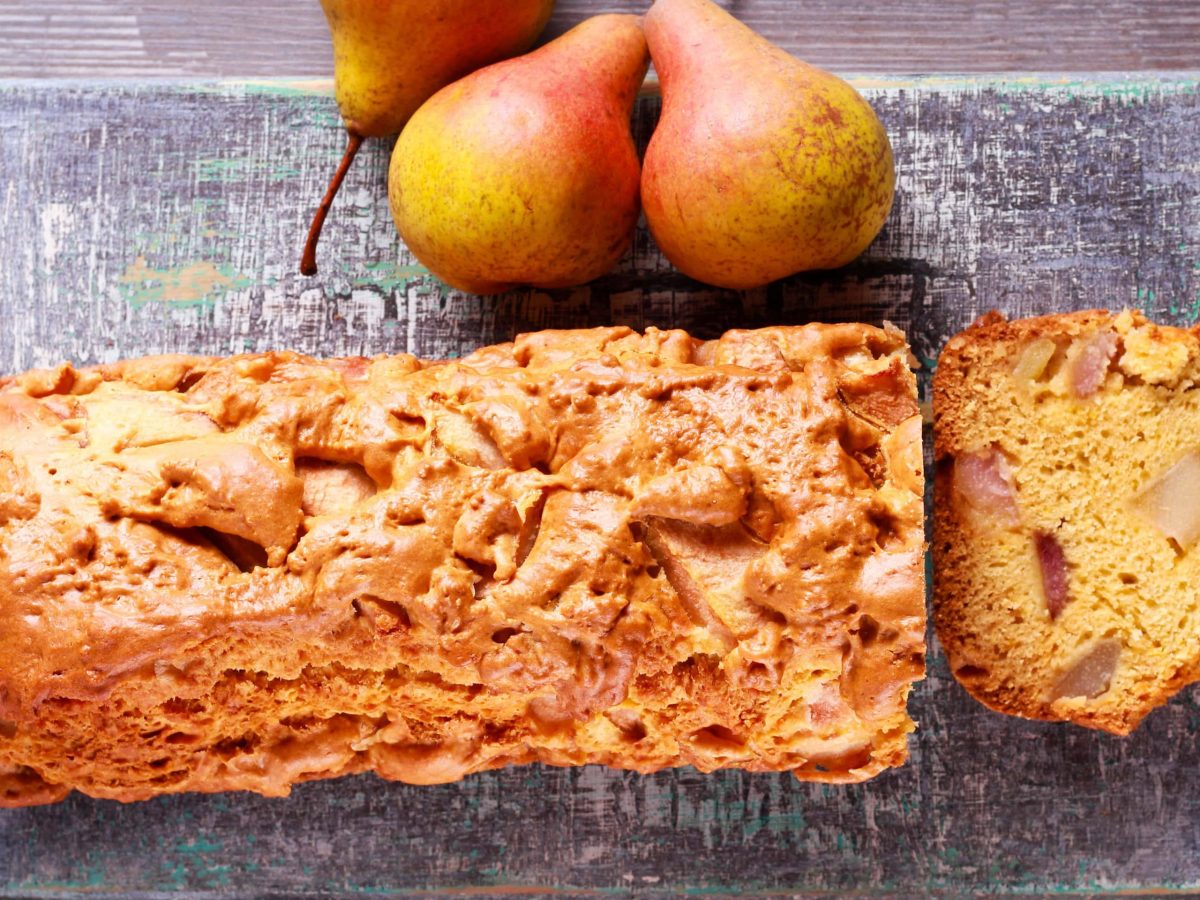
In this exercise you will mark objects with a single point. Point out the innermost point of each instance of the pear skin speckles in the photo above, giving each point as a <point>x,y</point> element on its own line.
<point>783,169</point>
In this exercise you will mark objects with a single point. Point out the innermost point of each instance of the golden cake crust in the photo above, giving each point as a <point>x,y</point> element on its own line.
<point>1055,598</point>
<point>589,546</point>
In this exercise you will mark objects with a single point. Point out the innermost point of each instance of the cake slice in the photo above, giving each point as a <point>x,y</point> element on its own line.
<point>1067,571</point>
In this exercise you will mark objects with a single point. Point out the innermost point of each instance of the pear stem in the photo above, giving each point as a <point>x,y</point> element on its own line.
<point>308,262</point>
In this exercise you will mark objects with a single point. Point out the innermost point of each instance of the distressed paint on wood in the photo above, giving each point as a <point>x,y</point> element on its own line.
<point>217,38</point>
<point>154,218</point>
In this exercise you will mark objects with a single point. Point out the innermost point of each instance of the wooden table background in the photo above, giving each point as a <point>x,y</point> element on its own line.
<point>140,216</point>
<point>277,38</point>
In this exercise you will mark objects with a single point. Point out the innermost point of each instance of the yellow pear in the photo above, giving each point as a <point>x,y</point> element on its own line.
<point>390,56</point>
<point>525,173</point>
<point>761,165</point>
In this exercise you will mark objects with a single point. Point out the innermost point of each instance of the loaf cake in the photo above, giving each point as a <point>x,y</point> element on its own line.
<point>1066,514</point>
<point>581,547</point>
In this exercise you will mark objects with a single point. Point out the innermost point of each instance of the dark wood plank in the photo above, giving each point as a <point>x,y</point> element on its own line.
<point>274,38</point>
<point>145,219</point>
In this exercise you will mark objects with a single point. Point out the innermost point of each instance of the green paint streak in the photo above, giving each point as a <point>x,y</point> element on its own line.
<point>1114,86</point>
<point>240,169</point>
<point>276,87</point>
<point>195,284</point>
<point>197,847</point>
<point>390,276</point>
<point>1103,84</point>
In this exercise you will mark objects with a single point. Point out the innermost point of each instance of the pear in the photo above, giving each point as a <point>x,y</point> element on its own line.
<point>390,56</point>
<point>761,165</point>
<point>525,173</point>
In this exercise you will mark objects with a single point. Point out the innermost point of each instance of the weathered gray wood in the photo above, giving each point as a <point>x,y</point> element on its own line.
<point>144,219</point>
<point>231,38</point>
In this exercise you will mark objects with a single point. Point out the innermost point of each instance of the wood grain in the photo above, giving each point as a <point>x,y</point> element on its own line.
<point>137,219</point>
<point>231,38</point>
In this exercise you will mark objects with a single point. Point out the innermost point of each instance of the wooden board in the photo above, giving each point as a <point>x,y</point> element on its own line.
<point>168,217</point>
<point>276,38</point>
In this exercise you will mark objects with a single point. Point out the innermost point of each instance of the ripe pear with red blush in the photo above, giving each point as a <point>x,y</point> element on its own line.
<point>525,173</point>
<point>390,56</point>
<point>761,165</point>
